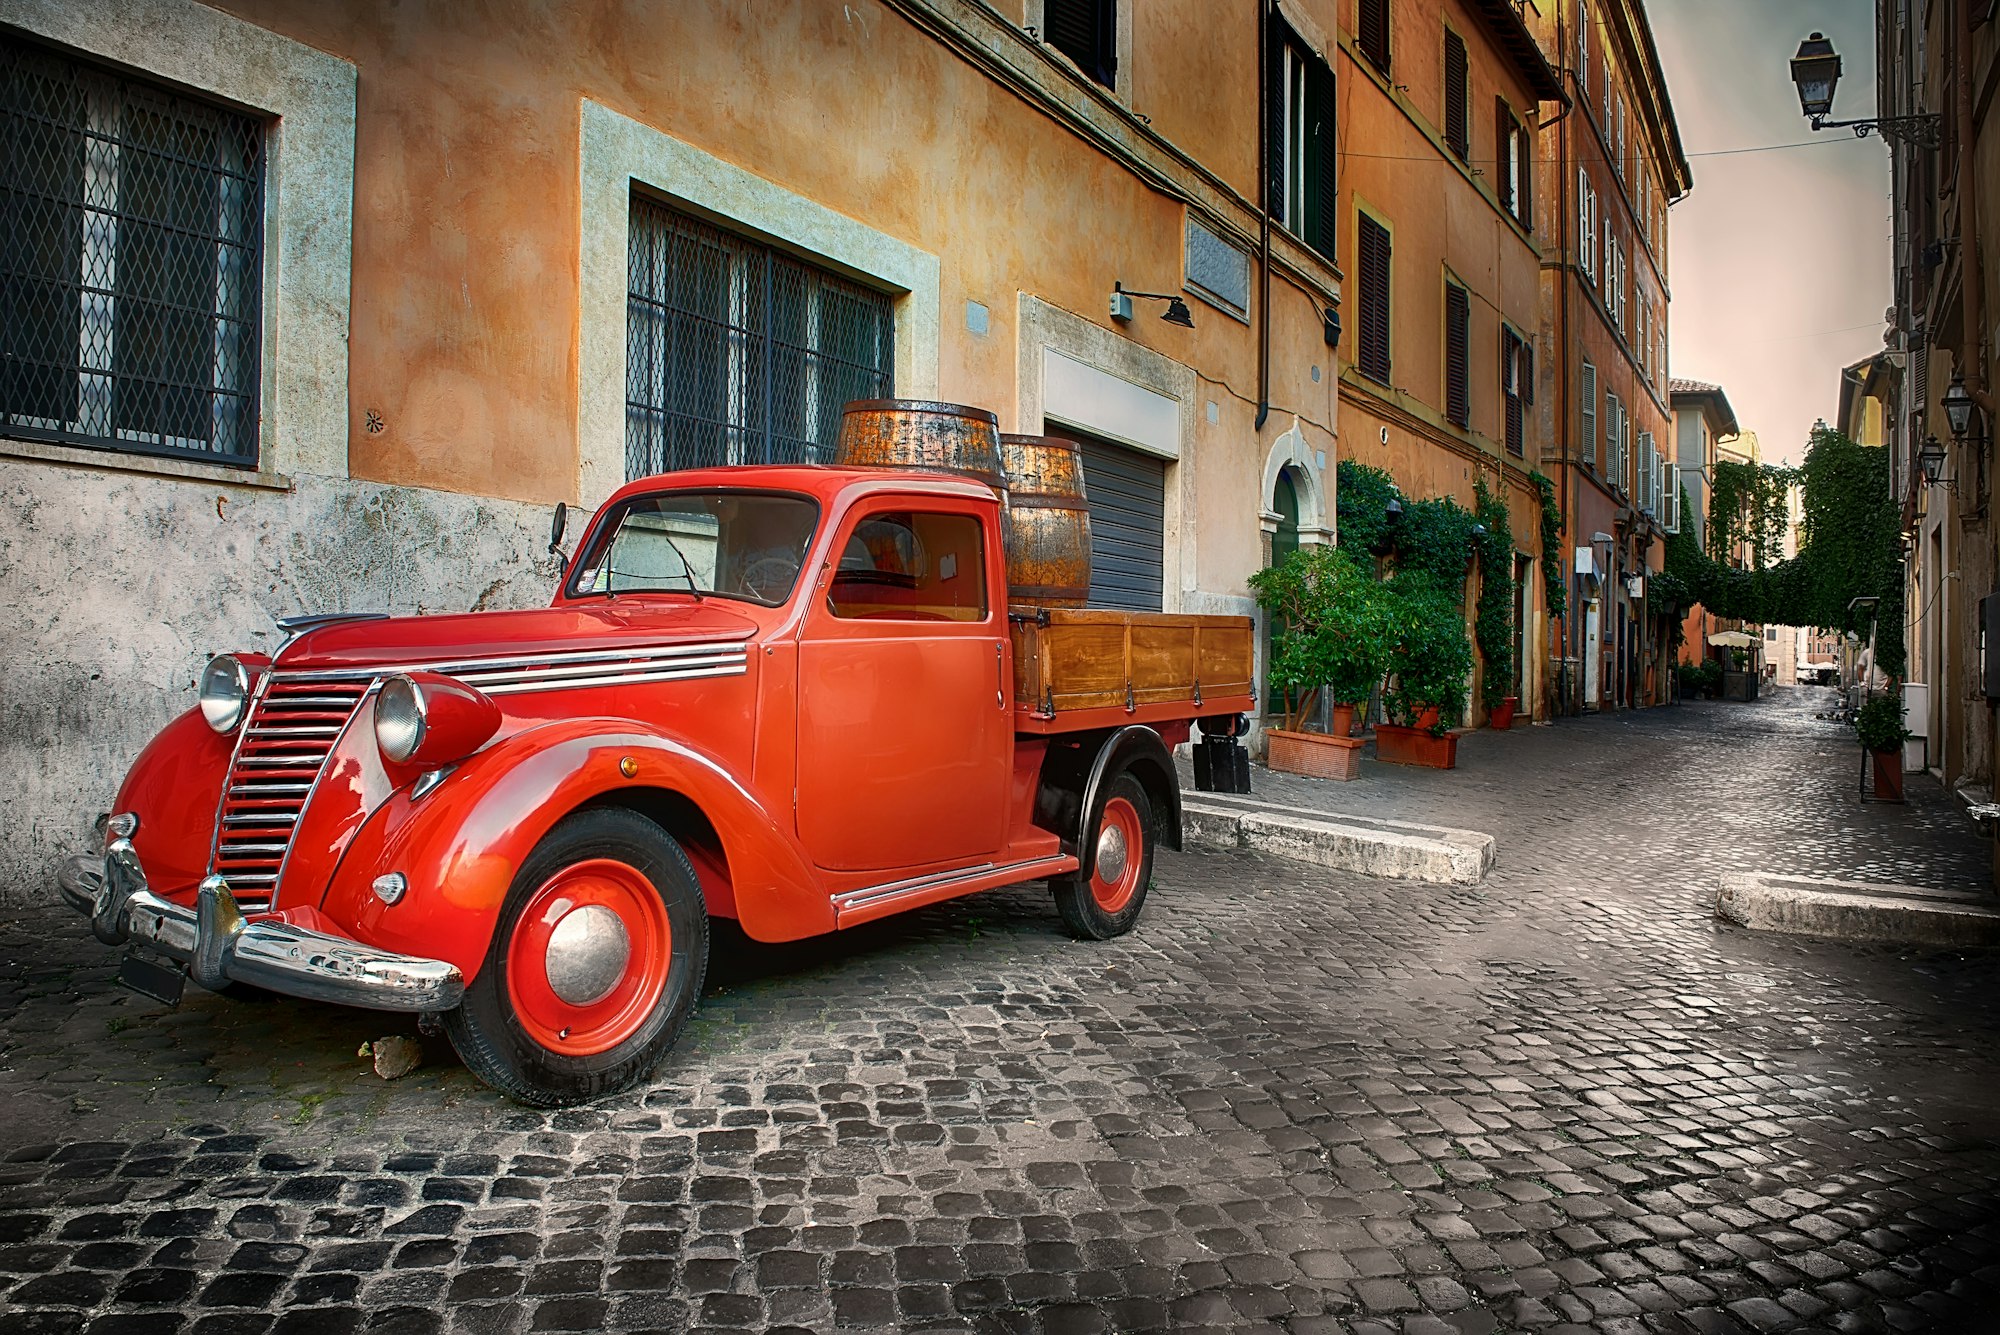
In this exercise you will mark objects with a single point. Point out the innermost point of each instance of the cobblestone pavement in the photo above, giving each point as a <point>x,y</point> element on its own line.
<point>1292,1100</point>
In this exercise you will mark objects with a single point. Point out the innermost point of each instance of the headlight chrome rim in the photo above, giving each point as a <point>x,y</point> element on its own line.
<point>225,692</point>
<point>401,719</point>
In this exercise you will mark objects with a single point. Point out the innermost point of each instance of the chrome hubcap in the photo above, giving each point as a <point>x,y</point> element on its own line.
<point>1111,853</point>
<point>588,951</point>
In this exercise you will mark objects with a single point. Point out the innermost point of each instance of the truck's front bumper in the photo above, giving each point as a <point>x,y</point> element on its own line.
<point>218,946</point>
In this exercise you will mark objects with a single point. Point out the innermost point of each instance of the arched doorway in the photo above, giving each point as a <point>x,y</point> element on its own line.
<point>1284,541</point>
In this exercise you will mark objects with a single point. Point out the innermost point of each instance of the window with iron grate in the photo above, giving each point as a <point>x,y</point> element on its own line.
<point>737,352</point>
<point>131,277</point>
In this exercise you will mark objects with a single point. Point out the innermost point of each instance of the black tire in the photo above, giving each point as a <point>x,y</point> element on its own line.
<point>490,1035</point>
<point>1080,899</point>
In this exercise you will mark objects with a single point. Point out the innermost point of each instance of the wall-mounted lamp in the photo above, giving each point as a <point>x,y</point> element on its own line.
<point>1176,313</point>
<point>1392,517</point>
<point>1816,72</point>
<point>1931,459</point>
<point>1957,404</point>
<point>1332,327</point>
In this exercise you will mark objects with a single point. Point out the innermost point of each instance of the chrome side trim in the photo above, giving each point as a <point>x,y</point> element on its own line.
<point>458,666</point>
<point>691,662</point>
<point>220,946</point>
<point>631,679</point>
<point>870,895</point>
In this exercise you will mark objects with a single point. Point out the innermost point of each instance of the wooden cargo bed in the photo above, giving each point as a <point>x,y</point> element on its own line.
<point>1077,669</point>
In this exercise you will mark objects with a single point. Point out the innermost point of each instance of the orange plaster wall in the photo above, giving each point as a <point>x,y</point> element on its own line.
<point>465,282</point>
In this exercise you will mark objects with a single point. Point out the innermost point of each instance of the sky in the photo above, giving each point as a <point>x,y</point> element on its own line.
<point>1778,262</point>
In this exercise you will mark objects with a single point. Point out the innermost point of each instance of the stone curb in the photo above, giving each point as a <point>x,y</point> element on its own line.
<point>1365,844</point>
<point>1859,911</point>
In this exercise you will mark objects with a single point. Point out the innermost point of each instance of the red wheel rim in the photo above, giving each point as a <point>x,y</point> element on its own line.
<point>1114,872</point>
<point>569,989</point>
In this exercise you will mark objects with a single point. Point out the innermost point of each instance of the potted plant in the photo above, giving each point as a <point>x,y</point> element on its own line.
<point>1430,661</point>
<point>1327,613</point>
<point>1879,726</point>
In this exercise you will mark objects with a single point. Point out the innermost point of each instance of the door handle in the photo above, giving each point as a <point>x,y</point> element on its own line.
<point>1000,674</point>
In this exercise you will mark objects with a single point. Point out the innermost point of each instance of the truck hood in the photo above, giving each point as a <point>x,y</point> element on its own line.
<point>391,643</point>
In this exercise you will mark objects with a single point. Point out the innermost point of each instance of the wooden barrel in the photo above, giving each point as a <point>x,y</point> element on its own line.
<point>916,433</point>
<point>1047,523</point>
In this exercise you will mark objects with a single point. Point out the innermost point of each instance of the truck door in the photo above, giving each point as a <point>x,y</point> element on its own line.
<point>904,741</point>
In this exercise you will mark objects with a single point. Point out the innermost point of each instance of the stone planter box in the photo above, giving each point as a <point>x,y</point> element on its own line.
<point>1316,755</point>
<point>1415,746</point>
<point>1739,686</point>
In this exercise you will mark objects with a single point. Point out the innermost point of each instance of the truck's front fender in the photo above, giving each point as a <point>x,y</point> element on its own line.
<point>460,845</point>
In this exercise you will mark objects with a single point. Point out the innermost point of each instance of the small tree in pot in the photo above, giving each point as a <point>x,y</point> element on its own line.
<point>1430,661</point>
<point>1327,615</point>
<point>1879,727</point>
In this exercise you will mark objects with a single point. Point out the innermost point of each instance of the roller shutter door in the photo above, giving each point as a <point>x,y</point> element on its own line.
<point>1127,492</point>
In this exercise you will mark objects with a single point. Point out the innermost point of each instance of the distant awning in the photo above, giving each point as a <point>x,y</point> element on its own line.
<point>1733,639</point>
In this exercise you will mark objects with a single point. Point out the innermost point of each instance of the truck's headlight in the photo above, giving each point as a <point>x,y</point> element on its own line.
<point>225,690</point>
<point>399,719</point>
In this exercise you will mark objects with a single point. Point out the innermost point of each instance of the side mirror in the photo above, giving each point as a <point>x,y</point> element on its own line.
<point>557,526</point>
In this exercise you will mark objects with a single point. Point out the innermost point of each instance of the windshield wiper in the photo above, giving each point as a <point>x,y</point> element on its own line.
<point>687,566</point>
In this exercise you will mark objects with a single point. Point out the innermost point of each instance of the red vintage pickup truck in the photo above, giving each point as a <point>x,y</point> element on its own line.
<point>791,696</point>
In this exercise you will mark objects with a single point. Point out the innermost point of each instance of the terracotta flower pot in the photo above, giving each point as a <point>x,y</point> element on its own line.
<point>1415,746</point>
<point>1317,755</point>
<point>1502,715</point>
<point>1343,721</point>
<point>1888,775</point>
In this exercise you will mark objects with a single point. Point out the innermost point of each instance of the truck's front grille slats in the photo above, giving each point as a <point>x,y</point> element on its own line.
<point>290,732</point>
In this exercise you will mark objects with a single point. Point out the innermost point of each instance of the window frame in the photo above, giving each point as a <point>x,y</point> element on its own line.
<point>1457,84</point>
<point>1457,396</point>
<point>1373,28</point>
<point>1099,61</point>
<point>931,508</point>
<point>1588,427</point>
<point>1302,111</point>
<point>94,389</point>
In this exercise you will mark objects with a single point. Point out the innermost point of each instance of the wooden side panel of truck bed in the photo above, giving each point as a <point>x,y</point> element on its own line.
<point>1077,669</point>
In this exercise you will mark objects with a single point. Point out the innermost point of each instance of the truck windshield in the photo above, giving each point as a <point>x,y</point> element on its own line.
<point>737,544</point>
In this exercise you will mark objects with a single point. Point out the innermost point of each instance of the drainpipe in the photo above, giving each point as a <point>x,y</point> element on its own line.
<point>1566,207</point>
<point>1263,214</point>
<point>1971,268</point>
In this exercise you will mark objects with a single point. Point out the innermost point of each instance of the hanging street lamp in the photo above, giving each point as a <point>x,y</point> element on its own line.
<point>1816,72</point>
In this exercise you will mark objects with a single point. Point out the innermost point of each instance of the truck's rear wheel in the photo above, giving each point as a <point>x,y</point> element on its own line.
<point>1109,900</point>
<point>595,966</point>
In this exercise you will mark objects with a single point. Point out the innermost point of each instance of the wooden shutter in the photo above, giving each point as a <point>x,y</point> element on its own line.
<point>1274,119</point>
<point>1320,228</point>
<point>1457,132</point>
<point>1457,354</point>
<point>1511,372</point>
<point>1373,38</point>
<point>1588,450</point>
<point>1504,150</point>
<point>1524,204</point>
<point>1375,259</point>
<point>1087,32</point>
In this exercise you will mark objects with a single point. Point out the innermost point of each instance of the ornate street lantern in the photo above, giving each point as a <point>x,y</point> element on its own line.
<point>1958,407</point>
<point>1816,70</point>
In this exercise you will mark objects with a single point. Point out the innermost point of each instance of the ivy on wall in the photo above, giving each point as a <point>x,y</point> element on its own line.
<point>1434,541</point>
<point>1493,625</point>
<point>1849,548</point>
<point>1555,588</point>
<point>1747,507</point>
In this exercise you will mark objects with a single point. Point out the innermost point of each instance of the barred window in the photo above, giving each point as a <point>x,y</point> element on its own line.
<point>739,353</point>
<point>132,272</point>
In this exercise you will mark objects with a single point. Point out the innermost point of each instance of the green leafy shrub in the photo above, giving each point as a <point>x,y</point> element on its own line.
<point>1328,626</point>
<point>1879,726</point>
<point>1361,503</point>
<point>1429,657</point>
<point>1700,679</point>
<point>1555,569</point>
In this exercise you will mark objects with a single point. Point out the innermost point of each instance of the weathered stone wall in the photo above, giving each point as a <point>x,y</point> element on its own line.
<point>117,587</point>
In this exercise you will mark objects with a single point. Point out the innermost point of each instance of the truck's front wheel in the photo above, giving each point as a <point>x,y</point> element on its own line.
<point>595,966</point>
<point>1108,901</point>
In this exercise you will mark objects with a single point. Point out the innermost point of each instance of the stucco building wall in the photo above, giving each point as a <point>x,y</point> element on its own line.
<point>437,372</point>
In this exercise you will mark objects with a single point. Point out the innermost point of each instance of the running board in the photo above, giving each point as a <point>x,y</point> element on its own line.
<point>879,901</point>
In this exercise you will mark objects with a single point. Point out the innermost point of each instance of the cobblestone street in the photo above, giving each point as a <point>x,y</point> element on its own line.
<point>1294,1100</point>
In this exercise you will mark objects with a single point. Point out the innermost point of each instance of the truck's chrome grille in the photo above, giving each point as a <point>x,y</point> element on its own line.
<point>286,740</point>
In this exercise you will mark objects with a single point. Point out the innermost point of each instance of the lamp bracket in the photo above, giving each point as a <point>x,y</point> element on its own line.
<point>1925,129</point>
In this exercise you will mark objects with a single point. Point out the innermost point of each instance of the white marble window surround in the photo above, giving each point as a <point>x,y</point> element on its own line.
<point>308,97</point>
<point>618,153</point>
